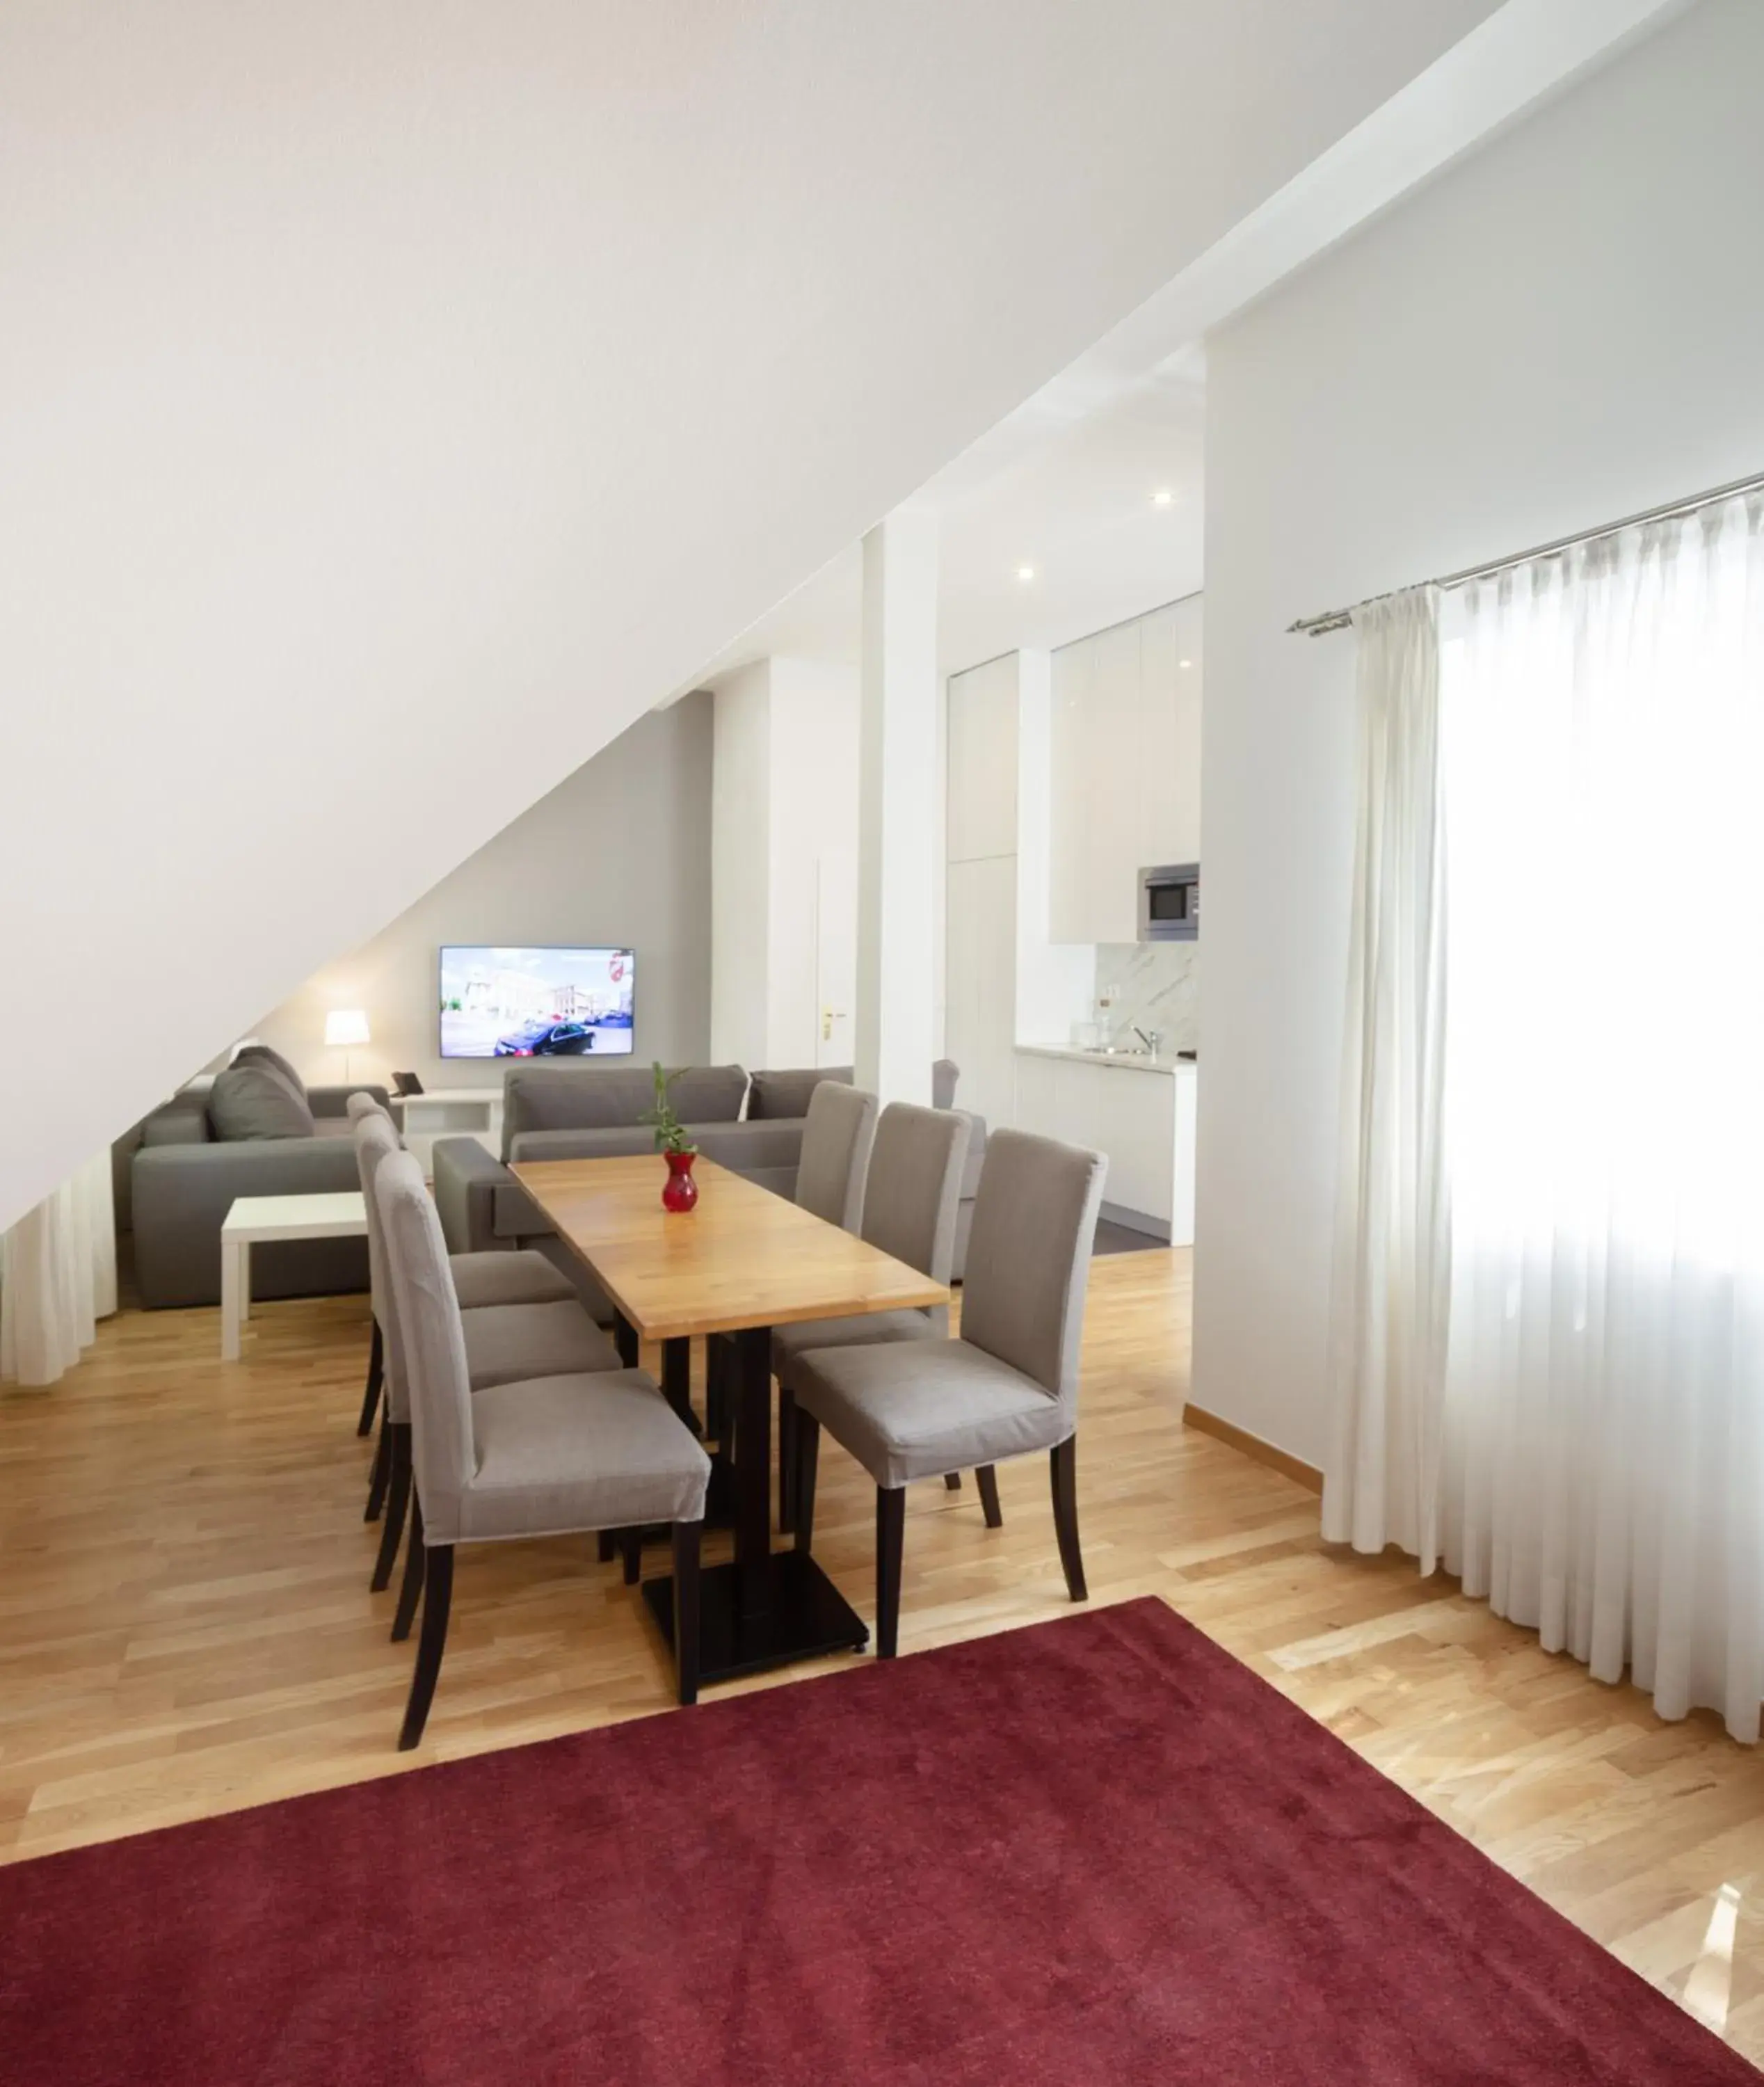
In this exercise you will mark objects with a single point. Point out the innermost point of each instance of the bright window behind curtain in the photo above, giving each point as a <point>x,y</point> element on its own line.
<point>1603,766</point>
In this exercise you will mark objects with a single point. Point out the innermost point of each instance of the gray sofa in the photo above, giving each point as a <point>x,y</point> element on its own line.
<point>572,1110</point>
<point>181,1180</point>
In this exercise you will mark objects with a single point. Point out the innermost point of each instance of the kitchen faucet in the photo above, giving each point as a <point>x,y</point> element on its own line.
<point>1150,1038</point>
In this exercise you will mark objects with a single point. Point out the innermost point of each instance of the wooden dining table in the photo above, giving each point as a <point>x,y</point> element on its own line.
<point>743,1261</point>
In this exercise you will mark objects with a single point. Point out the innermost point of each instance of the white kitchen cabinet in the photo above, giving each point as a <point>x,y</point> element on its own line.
<point>1168,822</point>
<point>980,887</point>
<point>1136,1115</point>
<point>981,954</point>
<point>1126,768</point>
<point>982,761</point>
<point>1070,838</point>
<point>1136,1126</point>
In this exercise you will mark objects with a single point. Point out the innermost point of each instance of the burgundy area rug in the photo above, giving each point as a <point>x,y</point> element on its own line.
<point>1096,1851</point>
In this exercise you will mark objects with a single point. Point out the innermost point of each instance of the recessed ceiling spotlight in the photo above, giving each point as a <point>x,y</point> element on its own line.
<point>1025,574</point>
<point>1163,497</point>
<point>1185,663</point>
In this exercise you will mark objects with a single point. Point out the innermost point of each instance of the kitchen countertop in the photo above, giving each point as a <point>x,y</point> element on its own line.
<point>1121,1062</point>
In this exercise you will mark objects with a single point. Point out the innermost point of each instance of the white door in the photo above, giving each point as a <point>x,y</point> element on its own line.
<point>836,955</point>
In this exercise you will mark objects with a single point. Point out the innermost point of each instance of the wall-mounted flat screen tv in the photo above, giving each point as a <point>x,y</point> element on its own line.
<point>516,1002</point>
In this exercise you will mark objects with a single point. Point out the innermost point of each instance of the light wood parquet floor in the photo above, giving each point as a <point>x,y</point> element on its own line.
<point>185,1626</point>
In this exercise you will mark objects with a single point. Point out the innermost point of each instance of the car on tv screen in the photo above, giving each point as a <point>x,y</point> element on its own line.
<point>514,1001</point>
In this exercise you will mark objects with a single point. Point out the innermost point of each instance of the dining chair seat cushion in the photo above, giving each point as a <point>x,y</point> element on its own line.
<point>566,1453</point>
<point>522,1278</point>
<point>506,1343</point>
<point>911,1410</point>
<point>859,1330</point>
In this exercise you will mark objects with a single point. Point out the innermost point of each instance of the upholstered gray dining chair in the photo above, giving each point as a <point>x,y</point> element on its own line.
<point>558,1454</point>
<point>910,1205</point>
<point>837,1134</point>
<point>1006,1387</point>
<point>524,1278</point>
<point>504,1341</point>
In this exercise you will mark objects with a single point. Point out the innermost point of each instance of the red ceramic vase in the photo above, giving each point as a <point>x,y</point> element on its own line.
<point>679,1191</point>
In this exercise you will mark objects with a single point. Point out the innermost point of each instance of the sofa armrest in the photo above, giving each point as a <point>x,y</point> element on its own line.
<point>466,1179</point>
<point>176,1126</point>
<point>335,1101</point>
<point>182,1194</point>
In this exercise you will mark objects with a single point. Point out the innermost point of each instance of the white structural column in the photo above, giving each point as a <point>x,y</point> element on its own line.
<point>898,838</point>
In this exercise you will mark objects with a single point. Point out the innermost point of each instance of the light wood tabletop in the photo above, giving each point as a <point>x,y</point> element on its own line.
<point>744,1257</point>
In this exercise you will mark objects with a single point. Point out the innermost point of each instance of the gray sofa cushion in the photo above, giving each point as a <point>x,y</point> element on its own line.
<point>774,1095</point>
<point>254,1100</point>
<point>262,1054</point>
<point>581,1097</point>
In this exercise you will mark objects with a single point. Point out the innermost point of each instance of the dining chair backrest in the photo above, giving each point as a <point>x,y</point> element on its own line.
<point>425,1310</point>
<point>835,1156</point>
<point>376,1142</point>
<point>359,1105</point>
<point>910,1201</point>
<point>1028,1257</point>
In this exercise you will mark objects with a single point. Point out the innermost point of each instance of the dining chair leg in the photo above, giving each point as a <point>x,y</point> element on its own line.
<point>953,1482</point>
<point>631,1550</point>
<point>415,1563</point>
<point>804,1463</point>
<point>890,1543</point>
<point>986,1478</point>
<point>787,1459</point>
<point>370,1398</point>
<point>1064,1462</point>
<point>437,1601</point>
<point>686,1546</point>
<point>397,1501</point>
<point>381,1471</point>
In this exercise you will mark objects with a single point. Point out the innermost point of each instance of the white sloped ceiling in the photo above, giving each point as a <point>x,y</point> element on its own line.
<point>396,399</point>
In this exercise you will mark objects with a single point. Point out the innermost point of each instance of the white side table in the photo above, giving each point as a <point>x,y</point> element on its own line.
<point>339,1215</point>
<point>448,1112</point>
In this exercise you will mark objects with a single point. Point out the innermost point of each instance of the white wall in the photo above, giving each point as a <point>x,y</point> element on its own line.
<point>395,402</point>
<point>619,854</point>
<point>784,817</point>
<point>741,866</point>
<point>814,852</point>
<point>1564,328</point>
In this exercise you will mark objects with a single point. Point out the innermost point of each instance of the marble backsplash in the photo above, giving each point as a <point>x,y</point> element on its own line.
<point>1155,985</point>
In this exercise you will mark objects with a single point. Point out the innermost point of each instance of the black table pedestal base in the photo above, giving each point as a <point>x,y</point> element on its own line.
<point>795,1612</point>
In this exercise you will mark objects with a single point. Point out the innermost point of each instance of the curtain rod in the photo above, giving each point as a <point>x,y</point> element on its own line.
<point>1340,619</point>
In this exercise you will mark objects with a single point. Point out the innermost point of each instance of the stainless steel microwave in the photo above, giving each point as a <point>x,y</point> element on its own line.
<point>1170,902</point>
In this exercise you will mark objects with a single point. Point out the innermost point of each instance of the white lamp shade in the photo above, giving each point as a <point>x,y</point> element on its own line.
<point>346,1026</point>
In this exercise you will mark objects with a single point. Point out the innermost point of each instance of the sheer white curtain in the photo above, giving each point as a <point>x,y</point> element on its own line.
<point>58,1277</point>
<point>1602,1466</point>
<point>1392,1248</point>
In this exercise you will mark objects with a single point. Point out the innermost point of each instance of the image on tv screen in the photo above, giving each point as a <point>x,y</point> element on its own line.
<point>498,1003</point>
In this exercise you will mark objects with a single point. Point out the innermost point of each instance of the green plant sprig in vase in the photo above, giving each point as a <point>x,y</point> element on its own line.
<point>679,1191</point>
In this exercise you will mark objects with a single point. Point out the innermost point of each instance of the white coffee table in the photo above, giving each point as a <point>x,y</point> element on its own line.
<point>339,1215</point>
